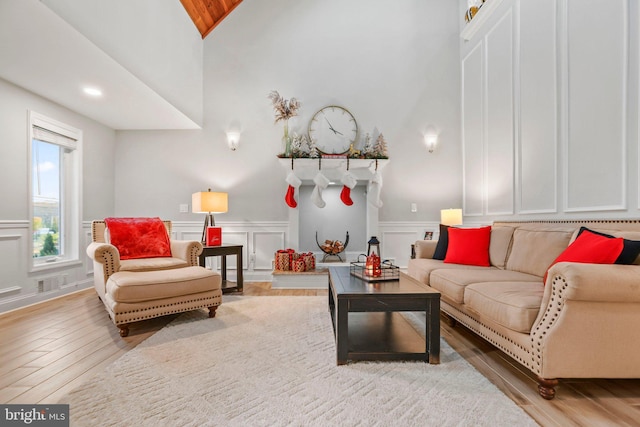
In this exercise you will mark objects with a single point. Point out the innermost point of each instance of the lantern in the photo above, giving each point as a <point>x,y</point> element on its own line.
<point>372,267</point>
<point>373,245</point>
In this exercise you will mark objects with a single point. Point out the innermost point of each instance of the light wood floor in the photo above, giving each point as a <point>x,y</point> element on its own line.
<point>50,348</point>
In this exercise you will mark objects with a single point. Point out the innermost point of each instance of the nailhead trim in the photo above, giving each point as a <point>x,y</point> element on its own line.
<point>470,324</point>
<point>549,318</point>
<point>179,308</point>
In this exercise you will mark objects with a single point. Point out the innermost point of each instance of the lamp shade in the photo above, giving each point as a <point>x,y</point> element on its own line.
<point>451,216</point>
<point>209,202</point>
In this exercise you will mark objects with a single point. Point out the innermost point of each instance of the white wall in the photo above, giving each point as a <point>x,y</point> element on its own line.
<point>550,110</point>
<point>155,40</point>
<point>393,68</point>
<point>98,194</point>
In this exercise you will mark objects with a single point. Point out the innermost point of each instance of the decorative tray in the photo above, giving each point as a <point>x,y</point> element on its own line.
<point>388,272</point>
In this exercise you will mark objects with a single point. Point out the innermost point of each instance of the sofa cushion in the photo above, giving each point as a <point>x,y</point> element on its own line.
<point>452,283</point>
<point>469,246</point>
<point>150,264</point>
<point>533,250</point>
<point>514,305</point>
<point>139,237</point>
<point>499,245</point>
<point>421,269</point>
<point>130,287</point>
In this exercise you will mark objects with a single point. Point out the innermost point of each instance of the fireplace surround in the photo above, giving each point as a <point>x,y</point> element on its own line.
<point>333,168</point>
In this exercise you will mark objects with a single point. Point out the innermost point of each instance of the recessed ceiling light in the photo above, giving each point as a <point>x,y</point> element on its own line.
<point>92,91</point>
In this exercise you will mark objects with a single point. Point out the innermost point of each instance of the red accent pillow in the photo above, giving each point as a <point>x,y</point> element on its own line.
<point>469,246</point>
<point>590,248</point>
<point>139,237</point>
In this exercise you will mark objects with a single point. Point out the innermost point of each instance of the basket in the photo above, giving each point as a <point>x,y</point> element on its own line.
<point>388,270</point>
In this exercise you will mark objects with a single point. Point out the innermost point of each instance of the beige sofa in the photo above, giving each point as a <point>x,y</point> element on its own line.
<point>140,289</point>
<point>585,323</point>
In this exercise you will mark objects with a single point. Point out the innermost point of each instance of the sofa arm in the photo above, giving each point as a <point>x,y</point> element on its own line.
<point>596,282</point>
<point>425,248</point>
<point>588,325</point>
<point>187,250</point>
<point>104,256</point>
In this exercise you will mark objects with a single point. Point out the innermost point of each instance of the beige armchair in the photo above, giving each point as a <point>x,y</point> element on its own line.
<point>139,289</point>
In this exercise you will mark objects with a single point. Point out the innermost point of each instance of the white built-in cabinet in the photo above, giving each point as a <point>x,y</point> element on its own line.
<point>545,108</point>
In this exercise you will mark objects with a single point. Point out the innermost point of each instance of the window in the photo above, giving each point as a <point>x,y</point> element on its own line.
<point>54,192</point>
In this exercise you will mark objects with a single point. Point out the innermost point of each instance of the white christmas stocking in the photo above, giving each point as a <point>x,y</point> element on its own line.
<point>375,186</point>
<point>321,182</point>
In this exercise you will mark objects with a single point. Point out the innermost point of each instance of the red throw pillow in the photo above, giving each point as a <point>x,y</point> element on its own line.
<point>139,237</point>
<point>469,246</point>
<point>590,248</point>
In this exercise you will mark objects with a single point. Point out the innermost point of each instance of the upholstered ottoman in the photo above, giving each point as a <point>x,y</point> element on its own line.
<point>132,296</point>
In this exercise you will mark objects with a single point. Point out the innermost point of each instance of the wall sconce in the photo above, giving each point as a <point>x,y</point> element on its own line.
<point>431,140</point>
<point>233,139</point>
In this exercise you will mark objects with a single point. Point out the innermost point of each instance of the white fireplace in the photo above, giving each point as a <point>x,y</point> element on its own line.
<point>306,169</point>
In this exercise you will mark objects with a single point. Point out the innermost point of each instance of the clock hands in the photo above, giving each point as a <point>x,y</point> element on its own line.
<point>332,129</point>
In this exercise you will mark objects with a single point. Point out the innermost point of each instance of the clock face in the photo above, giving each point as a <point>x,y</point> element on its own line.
<point>333,129</point>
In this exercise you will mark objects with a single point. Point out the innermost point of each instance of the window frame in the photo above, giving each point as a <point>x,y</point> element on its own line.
<point>70,192</point>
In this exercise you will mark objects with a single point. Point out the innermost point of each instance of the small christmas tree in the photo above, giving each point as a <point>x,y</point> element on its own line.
<point>380,148</point>
<point>313,150</point>
<point>296,145</point>
<point>367,148</point>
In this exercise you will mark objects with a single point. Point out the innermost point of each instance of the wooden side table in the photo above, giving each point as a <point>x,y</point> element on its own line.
<point>222,251</point>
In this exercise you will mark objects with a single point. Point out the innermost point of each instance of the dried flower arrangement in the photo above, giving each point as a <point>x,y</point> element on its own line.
<point>284,108</point>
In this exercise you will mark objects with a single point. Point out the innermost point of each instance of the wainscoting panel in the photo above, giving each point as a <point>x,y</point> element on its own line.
<point>597,49</point>
<point>396,246</point>
<point>538,151</point>
<point>499,117</point>
<point>237,238</point>
<point>472,133</point>
<point>396,238</point>
<point>18,287</point>
<point>12,264</point>
<point>265,244</point>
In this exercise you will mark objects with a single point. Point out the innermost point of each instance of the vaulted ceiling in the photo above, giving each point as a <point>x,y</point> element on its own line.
<point>206,14</point>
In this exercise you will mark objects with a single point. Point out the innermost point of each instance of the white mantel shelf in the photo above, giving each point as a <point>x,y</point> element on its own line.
<point>306,169</point>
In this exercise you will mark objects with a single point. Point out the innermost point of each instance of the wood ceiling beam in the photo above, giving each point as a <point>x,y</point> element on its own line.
<point>207,14</point>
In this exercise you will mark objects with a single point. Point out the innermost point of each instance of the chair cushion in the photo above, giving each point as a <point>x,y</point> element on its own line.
<point>514,305</point>
<point>150,264</point>
<point>129,286</point>
<point>452,283</point>
<point>139,237</point>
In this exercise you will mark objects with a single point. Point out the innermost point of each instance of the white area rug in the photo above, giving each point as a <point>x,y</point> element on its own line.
<point>270,361</point>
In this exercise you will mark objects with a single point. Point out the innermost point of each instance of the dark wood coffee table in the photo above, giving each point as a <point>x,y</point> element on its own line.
<point>366,322</point>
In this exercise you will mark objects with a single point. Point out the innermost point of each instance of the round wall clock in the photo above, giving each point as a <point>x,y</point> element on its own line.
<point>333,129</point>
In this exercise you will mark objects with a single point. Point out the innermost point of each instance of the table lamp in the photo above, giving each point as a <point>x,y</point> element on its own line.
<point>210,202</point>
<point>451,217</point>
